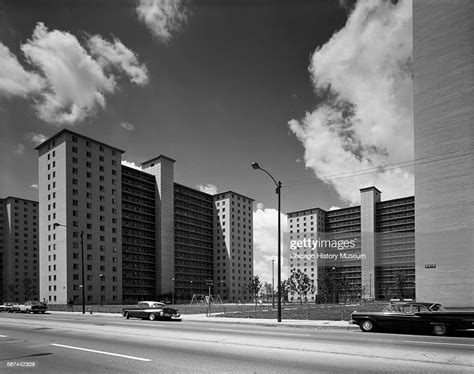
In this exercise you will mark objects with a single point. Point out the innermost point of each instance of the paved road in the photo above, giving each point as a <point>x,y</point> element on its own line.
<point>97,344</point>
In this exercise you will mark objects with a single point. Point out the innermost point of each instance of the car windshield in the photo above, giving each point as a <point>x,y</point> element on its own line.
<point>437,308</point>
<point>34,302</point>
<point>158,305</point>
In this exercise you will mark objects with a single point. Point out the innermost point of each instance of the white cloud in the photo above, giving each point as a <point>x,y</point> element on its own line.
<point>131,164</point>
<point>117,55</point>
<point>14,79</point>
<point>35,186</point>
<point>127,126</point>
<point>20,149</point>
<point>162,17</point>
<point>77,83</point>
<point>70,83</point>
<point>35,138</point>
<point>363,74</point>
<point>265,242</point>
<point>209,188</point>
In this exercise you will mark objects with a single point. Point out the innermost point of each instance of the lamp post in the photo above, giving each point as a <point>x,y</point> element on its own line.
<point>333,271</point>
<point>273,283</point>
<point>81,232</point>
<point>370,286</point>
<point>256,166</point>
<point>101,276</point>
<point>172,295</point>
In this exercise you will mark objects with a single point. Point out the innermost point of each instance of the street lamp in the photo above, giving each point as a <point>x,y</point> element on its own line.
<point>333,272</point>
<point>172,295</point>
<point>273,283</point>
<point>256,166</point>
<point>101,276</point>
<point>370,286</point>
<point>82,264</point>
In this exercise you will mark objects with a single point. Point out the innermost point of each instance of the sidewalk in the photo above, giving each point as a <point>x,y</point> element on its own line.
<point>244,321</point>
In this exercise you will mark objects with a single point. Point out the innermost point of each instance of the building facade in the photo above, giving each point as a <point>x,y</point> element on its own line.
<point>19,241</point>
<point>80,218</point>
<point>233,237</point>
<point>143,235</point>
<point>443,56</point>
<point>364,251</point>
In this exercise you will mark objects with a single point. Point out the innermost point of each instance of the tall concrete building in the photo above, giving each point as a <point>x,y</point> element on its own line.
<point>18,249</point>
<point>233,237</point>
<point>378,255</point>
<point>144,236</point>
<point>80,189</point>
<point>444,138</point>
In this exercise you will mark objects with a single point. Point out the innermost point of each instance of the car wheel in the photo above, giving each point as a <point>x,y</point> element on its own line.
<point>151,316</point>
<point>440,329</point>
<point>127,315</point>
<point>367,325</point>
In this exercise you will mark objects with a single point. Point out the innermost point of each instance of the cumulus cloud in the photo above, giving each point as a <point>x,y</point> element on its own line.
<point>265,243</point>
<point>162,17</point>
<point>127,126</point>
<point>117,55</point>
<point>14,79</point>
<point>209,188</point>
<point>20,149</point>
<point>131,164</point>
<point>364,119</point>
<point>35,138</point>
<point>70,81</point>
<point>34,186</point>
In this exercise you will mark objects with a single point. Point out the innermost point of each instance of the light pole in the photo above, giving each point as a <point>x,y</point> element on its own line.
<point>273,283</point>
<point>101,276</point>
<point>370,286</point>
<point>333,270</point>
<point>278,192</point>
<point>172,295</point>
<point>81,232</point>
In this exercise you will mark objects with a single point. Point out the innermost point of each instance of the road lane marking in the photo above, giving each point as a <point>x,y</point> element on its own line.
<point>419,342</point>
<point>101,352</point>
<point>262,332</point>
<point>3,336</point>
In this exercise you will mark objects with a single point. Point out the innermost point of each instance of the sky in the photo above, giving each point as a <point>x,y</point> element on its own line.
<point>318,92</point>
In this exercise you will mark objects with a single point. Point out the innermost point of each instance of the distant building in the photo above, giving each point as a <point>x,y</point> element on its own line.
<point>18,249</point>
<point>144,236</point>
<point>377,256</point>
<point>233,237</point>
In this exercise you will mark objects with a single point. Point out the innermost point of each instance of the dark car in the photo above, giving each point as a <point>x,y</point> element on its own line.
<point>415,317</point>
<point>151,310</point>
<point>31,306</point>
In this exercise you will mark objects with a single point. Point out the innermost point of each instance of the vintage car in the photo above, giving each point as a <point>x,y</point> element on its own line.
<point>5,307</point>
<point>151,310</point>
<point>415,317</point>
<point>31,306</point>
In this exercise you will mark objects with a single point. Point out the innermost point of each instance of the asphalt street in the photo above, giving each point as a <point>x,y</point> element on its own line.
<point>62,343</point>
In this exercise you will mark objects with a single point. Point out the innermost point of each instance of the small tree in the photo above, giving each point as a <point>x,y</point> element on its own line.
<point>12,291</point>
<point>254,288</point>
<point>285,290</point>
<point>300,283</point>
<point>268,289</point>
<point>29,289</point>
<point>399,281</point>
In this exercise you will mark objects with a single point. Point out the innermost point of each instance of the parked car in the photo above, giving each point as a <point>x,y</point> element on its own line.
<point>31,306</point>
<point>150,310</point>
<point>416,317</point>
<point>6,307</point>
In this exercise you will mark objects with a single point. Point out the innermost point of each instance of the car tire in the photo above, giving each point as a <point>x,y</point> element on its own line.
<point>152,316</point>
<point>440,329</point>
<point>127,315</point>
<point>367,325</point>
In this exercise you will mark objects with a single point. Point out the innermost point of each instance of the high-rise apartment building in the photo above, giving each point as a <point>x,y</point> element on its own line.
<point>80,195</point>
<point>18,249</point>
<point>143,235</point>
<point>233,237</point>
<point>443,59</point>
<point>363,251</point>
